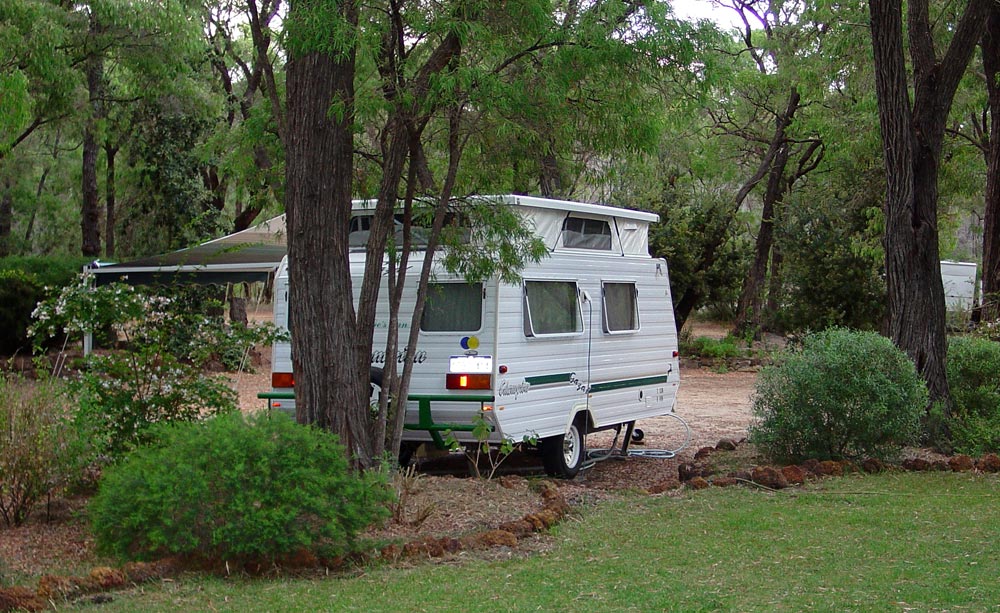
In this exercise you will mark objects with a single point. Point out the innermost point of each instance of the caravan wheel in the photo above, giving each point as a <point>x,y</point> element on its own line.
<point>563,455</point>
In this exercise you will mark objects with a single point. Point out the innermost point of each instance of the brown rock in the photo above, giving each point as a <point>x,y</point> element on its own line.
<point>940,466</point>
<point>794,475</point>
<point>54,587</point>
<point>726,444</point>
<point>704,452</point>
<point>741,475</point>
<point>769,477</point>
<point>687,471</point>
<point>872,466</point>
<point>916,464</point>
<point>810,465</point>
<point>108,578</point>
<point>495,538</point>
<point>20,599</point>
<point>662,486</point>
<point>989,463</point>
<point>961,463</point>
<point>391,553</point>
<point>829,468</point>
<point>724,482</point>
<point>512,482</point>
<point>698,483</point>
<point>519,527</point>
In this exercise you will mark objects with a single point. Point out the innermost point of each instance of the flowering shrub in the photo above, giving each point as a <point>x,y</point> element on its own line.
<point>157,375</point>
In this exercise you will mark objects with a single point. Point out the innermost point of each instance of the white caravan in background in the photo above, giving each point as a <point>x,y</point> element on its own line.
<point>585,342</point>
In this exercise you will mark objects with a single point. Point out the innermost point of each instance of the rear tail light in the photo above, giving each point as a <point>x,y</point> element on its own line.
<point>282,379</point>
<point>455,381</point>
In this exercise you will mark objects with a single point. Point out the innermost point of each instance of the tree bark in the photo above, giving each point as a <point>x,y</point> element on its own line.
<point>750,308</point>
<point>911,141</point>
<point>90,214</point>
<point>6,217</point>
<point>110,195</point>
<point>991,216</point>
<point>329,389</point>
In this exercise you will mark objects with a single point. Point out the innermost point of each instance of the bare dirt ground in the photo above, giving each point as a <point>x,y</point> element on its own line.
<point>715,405</point>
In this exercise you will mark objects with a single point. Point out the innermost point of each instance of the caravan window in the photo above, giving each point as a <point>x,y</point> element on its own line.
<point>551,307</point>
<point>583,233</point>
<point>453,307</point>
<point>621,307</point>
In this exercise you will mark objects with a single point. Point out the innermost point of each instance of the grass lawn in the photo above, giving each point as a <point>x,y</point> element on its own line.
<point>896,542</point>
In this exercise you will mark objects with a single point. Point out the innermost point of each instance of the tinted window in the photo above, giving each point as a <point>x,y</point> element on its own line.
<point>453,307</point>
<point>621,309</point>
<point>551,307</point>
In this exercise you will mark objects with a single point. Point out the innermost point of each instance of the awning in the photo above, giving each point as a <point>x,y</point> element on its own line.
<point>249,255</point>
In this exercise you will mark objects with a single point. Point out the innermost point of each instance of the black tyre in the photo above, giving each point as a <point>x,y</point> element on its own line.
<point>563,455</point>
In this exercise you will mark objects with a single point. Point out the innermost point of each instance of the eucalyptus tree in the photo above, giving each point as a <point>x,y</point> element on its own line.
<point>129,52</point>
<point>913,125</point>
<point>781,84</point>
<point>39,83</point>
<point>245,166</point>
<point>991,214</point>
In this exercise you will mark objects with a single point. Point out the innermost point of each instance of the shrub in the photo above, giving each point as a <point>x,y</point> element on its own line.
<point>24,281</point>
<point>707,347</point>
<point>123,394</point>
<point>974,377</point>
<point>38,448</point>
<point>843,394</point>
<point>19,293</point>
<point>157,375</point>
<point>235,489</point>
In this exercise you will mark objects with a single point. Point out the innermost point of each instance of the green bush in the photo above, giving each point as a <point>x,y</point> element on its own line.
<point>39,449</point>
<point>24,282</point>
<point>974,377</point>
<point>844,394</point>
<point>19,293</point>
<point>235,489</point>
<point>706,347</point>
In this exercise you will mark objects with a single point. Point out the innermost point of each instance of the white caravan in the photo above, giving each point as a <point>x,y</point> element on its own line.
<point>585,342</point>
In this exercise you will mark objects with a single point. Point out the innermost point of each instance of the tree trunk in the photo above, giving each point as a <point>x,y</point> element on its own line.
<point>911,140</point>
<point>109,201</point>
<point>6,217</point>
<point>329,389</point>
<point>90,214</point>
<point>991,216</point>
<point>751,303</point>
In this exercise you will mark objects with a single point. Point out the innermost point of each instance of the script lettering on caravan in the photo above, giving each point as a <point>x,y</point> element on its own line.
<point>515,389</point>
<point>378,357</point>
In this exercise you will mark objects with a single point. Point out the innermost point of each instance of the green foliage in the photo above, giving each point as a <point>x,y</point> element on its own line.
<point>482,429</point>
<point>832,272</point>
<point>974,378</point>
<point>236,489</point>
<point>39,448</point>
<point>24,281</point>
<point>123,394</point>
<point>843,394</point>
<point>157,375</point>
<point>714,348</point>
<point>19,293</point>
<point>499,245</point>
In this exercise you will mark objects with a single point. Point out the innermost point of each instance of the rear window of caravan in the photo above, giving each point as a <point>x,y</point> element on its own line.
<point>453,307</point>
<point>551,307</point>
<point>621,307</point>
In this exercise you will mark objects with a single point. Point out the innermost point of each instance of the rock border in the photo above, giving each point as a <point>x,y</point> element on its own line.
<point>698,475</point>
<point>104,579</point>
